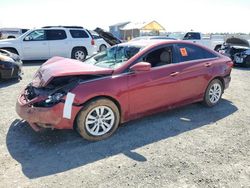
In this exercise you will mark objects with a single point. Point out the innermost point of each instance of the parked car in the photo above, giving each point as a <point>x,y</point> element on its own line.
<point>152,38</point>
<point>41,44</point>
<point>10,65</point>
<point>213,43</point>
<point>10,33</point>
<point>238,50</point>
<point>99,42</point>
<point>127,81</point>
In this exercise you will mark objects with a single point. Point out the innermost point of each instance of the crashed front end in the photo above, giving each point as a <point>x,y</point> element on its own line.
<point>47,107</point>
<point>238,50</point>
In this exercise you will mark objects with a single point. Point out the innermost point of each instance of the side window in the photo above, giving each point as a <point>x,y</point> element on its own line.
<point>24,30</point>
<point>188,52</point>
<point>160,57</point>
<point>192,36</point>
<point>56,34</point>
<point>37,35</point>
<point>96,37</point>
<point>78,34</point>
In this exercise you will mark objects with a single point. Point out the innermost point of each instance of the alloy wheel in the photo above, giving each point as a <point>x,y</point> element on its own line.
<point>100,120</point>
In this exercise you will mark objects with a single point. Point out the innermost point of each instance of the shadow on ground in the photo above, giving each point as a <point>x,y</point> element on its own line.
<point>7,83</point>
<point>33,62</point>
<point>43,154</point>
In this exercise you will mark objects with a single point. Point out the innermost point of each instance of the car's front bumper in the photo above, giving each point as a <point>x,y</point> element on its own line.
<point>45,117</point>
<point>12,72</point>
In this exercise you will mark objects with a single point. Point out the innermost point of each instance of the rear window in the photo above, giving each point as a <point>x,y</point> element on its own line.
<point>188,52</point>
<point>78,34</point>
<point>56,34</point>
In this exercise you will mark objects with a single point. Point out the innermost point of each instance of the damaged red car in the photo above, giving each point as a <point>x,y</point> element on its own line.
<point>128,81</point>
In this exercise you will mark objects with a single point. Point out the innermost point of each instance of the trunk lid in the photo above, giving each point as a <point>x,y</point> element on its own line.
<point>108,37</point>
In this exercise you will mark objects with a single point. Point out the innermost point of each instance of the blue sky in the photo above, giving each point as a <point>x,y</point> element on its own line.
<point>177,15</point>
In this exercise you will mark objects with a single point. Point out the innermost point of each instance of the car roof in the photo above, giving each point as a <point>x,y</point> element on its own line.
<point>146,43</point>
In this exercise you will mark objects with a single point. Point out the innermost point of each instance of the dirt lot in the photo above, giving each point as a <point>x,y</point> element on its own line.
<point>192,146</point>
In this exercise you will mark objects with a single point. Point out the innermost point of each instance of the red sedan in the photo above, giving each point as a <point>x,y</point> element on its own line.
<point>127,81</point>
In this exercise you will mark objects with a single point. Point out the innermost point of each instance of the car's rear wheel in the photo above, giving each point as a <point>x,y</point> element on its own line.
<point>98,120</point>
<point>102,47</point>
<point>213,93</point>
<point>79,54</point>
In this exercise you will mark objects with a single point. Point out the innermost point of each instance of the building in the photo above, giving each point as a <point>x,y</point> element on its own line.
<point>129,30</point>
<point>115,29</point>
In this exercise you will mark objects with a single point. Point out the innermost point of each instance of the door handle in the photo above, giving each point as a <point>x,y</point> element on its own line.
<point>174,73</point>
<point>208,64</point>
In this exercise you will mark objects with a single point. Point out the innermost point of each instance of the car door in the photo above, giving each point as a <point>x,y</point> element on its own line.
<point>58,43</point>
<point>35,46</point>
<point>195,70</point>
<point>156,88</point>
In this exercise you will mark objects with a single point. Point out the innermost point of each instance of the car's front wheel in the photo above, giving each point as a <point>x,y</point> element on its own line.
<point>98,120</point>
<point>213,93</point>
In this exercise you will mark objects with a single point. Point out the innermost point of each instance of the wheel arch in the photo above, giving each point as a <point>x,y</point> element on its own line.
<point>115,101</point>
<point>11,49</point>
<point>80,47</point>
<point>219,78</point>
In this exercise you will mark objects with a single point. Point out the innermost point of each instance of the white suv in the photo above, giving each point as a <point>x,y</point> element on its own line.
<point>41,44</point>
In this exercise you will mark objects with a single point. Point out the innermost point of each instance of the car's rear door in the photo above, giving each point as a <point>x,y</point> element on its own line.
<point>58,43</point>
<point>35,46</point>
<point>195,65</point>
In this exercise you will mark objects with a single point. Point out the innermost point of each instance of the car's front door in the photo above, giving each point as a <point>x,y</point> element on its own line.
<point>35,46</point>
<point>155,88</point>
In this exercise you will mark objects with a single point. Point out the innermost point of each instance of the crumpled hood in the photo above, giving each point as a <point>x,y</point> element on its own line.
<point>59,66</point>
<point>233,41</point>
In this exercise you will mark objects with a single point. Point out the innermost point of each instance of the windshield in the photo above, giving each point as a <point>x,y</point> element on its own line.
<point>177,35</point>
<point>113,57</point>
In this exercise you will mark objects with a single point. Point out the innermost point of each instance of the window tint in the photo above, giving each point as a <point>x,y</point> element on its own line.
<point>96,37</point>
<point>192,36</point>
<point>78,34</point>
<point>160,57</point>
<point>36,35</point>
<point>56,34</point>
<point>188,52</point>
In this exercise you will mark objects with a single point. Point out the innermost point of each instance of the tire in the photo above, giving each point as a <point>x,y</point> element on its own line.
<point>79,54</point>
<point>90,124</point>
<point>102,47</point>
<point>213,93</point>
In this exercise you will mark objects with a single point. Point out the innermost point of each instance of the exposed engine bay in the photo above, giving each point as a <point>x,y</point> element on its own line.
<point>57,88</point>
<point>238,50</point>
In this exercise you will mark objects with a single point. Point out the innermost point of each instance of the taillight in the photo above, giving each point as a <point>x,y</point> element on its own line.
<point>92,42</point>
<point>230,64</point>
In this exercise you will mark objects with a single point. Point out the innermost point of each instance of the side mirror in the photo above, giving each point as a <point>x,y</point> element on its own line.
<point>141,67</point>
<point>28,38</point>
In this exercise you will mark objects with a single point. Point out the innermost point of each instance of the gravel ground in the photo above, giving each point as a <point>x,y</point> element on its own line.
<point>193,146</point>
